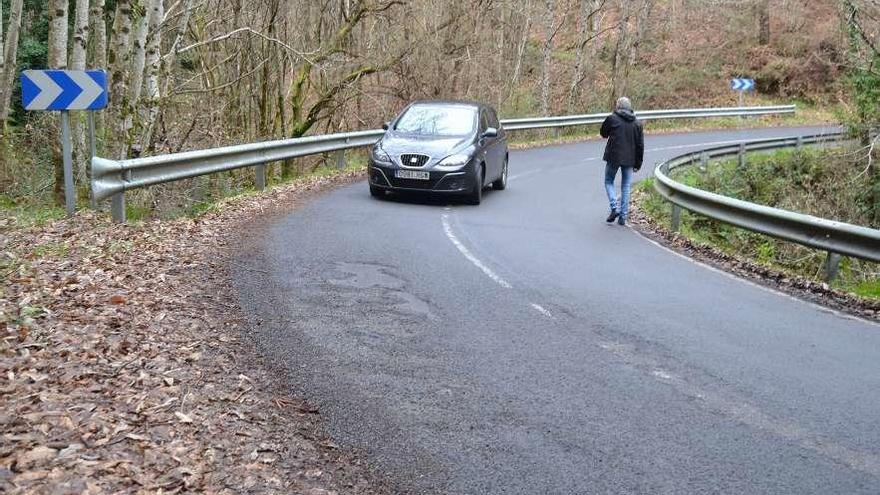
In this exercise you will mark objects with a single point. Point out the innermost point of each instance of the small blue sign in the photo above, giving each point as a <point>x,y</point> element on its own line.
<point>50,90</point>
<point>742,84</point>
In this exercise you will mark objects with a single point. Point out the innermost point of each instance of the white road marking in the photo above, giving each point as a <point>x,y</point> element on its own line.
<point>447,228</point>
<point>662,375</point>
<point>541,310</point>
<point>524,174</point>
<point>731,276</point>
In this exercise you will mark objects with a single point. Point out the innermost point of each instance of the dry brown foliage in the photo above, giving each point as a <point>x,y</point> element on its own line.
<point>124,370</point>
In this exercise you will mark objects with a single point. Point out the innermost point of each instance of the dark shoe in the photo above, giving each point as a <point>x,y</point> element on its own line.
<point>621,220</point>
<point>612,216</point>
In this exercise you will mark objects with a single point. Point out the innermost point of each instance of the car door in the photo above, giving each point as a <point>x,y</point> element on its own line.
<point>488,148</point>
<point>499,146</point>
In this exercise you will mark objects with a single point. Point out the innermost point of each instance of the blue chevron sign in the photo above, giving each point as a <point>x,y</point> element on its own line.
<point>63,89</point>
<point>742,84</point>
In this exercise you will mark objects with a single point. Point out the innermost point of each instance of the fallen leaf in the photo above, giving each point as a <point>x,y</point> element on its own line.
<point>36,456</point>
<point>183,417</point>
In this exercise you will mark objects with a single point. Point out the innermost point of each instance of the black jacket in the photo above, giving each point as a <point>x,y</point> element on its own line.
<point>626,145</point>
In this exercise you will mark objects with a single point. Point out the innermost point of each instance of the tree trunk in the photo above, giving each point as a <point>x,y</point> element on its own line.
<point>58,60</point>
<point>547,55</point>
<point>764,22</point>
<point>120,64</point>
<point>590,23</point>
<point>78,62</point>
<point>99,48</point>
<point>617,84</point>
<point>635,40</point>
<point>153,67</point>
<point>521,50</point>
<point>10,59</point>
<point>138,63</point>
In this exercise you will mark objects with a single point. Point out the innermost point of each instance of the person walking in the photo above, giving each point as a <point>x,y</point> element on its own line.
<point>624,151</point>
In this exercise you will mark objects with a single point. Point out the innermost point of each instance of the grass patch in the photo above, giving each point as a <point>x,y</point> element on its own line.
<point>50,249</point>
<point>869,289</point>
<point>22,215</point>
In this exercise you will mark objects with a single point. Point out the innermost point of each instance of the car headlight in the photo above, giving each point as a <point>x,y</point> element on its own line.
<point>379,155</point>
<point>456,160</point>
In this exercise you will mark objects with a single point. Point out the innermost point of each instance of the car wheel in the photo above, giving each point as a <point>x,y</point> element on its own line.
<point>377,192</point>
<point>501,183</point>
<point>476,195</point>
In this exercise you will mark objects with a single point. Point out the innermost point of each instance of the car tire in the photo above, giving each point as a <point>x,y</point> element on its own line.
<point>476,196</point>
<point>377,192</point>
<point>501,183</point>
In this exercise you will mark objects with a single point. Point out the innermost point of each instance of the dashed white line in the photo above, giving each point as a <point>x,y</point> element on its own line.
<point>542,310</point>
<point>447,228</point>
<point>524,174</point>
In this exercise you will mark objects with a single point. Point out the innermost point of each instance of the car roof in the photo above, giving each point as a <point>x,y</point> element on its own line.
<point>468,103</point>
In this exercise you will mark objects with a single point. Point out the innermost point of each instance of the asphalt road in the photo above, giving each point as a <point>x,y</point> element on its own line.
<point>524,346</point>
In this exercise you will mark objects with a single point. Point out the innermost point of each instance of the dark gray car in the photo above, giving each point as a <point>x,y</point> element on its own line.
<point>445,147</point>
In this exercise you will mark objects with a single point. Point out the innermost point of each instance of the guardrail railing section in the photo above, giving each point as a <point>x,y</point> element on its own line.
<point>836,238</point>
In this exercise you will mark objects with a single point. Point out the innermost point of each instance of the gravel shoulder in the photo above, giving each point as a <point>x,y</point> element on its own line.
<point>125,364</point>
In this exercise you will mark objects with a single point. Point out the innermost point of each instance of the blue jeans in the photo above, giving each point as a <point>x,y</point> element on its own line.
<point>626,174</point>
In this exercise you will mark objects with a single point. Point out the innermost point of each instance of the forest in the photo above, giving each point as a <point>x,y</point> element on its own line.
<point>191,74</point>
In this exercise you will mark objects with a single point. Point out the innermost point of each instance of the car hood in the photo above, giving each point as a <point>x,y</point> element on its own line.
<point>396,143</point>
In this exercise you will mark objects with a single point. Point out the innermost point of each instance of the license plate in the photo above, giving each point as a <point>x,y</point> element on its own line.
<point>412,174</point>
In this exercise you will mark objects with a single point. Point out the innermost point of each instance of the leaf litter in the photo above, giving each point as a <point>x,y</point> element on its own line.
<point>123,368</point>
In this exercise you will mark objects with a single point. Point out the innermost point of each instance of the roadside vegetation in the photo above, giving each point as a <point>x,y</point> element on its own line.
<point>191,75</point>
<point>827,183</point>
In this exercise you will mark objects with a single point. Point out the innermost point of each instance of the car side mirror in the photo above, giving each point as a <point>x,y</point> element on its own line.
<point>386,125</point>
<point>490,132</point>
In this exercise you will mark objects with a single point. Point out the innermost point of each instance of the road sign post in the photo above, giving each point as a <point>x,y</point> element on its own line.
<point>67,156</point>
<point>741,85</point>
<point>63,91</point>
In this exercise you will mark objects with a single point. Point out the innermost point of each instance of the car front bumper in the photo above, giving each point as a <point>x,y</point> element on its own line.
<point>383,177</point>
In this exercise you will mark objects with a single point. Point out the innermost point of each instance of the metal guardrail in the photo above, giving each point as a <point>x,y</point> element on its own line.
<point>837,238</point>
<point>114,177</point>
<point>687,113</point>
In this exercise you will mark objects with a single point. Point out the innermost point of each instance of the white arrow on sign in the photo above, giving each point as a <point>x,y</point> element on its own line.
<point>90,89</point>
<point>50,90</point>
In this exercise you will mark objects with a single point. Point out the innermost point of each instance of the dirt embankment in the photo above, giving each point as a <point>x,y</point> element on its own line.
<point>125,367</point>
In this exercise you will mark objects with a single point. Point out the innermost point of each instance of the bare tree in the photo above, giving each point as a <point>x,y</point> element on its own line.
<point>591,17</point>
<point>153,68</point>
<point>763,8</point>
<point>58,60</point>
<point>550,30</point>
<point>10,58</point>
<point>120,75</point>
<point>78,62</point>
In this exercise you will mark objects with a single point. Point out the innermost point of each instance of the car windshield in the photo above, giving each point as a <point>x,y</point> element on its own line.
<point>437,120</point>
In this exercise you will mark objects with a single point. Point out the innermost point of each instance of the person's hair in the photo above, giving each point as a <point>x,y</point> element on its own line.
<point>623,103</point>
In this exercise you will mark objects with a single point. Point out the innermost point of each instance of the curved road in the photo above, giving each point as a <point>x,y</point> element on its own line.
<point>524,346</point>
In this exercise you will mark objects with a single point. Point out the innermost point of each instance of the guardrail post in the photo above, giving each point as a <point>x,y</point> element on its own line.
<point>800,143</point>
<point>704,162</point>
<point>117,204</point>
<point>340,159</point>
<point>742,155</point>
<point>260,177</point>
<point>676,217</point>
<point>831,266</point>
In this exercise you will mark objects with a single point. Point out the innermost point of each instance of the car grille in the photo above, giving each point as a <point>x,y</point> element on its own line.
<point>414,160</point>
<point>413,183</point>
